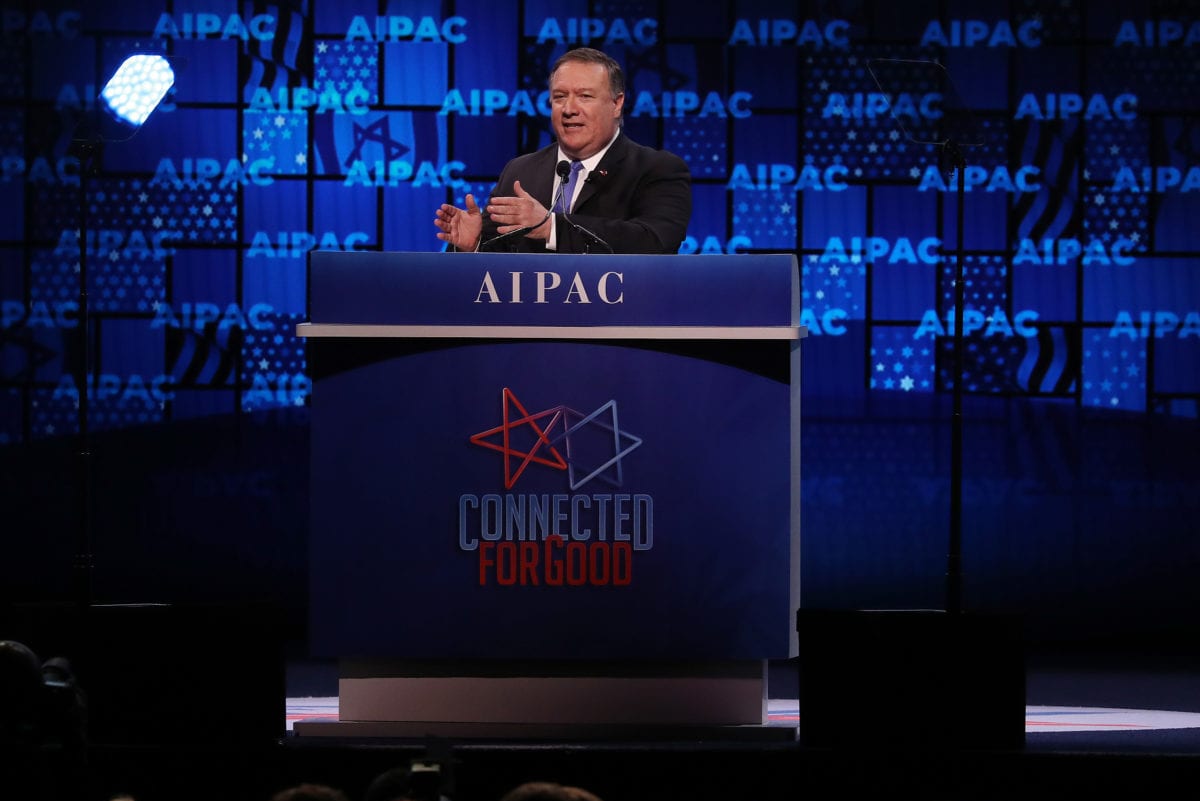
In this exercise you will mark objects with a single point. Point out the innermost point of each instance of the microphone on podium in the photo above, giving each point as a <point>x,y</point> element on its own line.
<point>564,173</point>
<point>511,234</point>
<point>522,231</point>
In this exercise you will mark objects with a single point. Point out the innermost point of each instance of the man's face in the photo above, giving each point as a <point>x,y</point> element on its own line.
<point>585,113</point>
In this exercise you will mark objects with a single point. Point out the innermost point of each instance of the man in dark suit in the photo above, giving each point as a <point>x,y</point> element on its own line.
<point>623,197</point>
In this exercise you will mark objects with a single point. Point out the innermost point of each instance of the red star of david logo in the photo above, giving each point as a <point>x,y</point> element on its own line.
<point>537,433</point>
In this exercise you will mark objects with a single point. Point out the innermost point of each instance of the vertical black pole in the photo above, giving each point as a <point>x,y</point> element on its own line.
<point>954,549</point>
<point>82,567</point>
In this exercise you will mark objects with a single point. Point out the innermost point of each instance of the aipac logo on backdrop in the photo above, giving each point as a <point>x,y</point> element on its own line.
<point>557,539</point>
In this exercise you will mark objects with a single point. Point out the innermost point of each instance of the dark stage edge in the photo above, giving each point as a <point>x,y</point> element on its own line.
<point>205,751</point>
<point>635,770</point>
<point>525,732</point>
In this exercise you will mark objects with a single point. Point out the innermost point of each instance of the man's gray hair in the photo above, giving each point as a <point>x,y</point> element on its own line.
<point>588,55</point>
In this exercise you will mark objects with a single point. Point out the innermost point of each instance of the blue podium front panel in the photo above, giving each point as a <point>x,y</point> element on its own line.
<point>549,289</point>
<point>551,498</point>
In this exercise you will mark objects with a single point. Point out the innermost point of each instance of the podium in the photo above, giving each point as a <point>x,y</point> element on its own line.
<point>552,491</point>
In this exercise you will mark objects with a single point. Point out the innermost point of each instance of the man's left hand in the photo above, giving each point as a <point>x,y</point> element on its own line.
<point>519,211</point>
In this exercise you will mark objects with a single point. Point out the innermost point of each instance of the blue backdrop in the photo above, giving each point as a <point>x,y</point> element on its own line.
<point>313,124</point>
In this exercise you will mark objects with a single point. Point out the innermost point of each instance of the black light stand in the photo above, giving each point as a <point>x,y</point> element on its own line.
<point>152,670</point>
<point>950,131</point>
<point>128,98</point>
<point>89,151</point>
<point>940,680</point>
<point>952,155</point>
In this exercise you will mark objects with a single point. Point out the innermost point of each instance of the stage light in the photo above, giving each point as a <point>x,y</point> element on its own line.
<point>127,100</point>
<point>137,87</point>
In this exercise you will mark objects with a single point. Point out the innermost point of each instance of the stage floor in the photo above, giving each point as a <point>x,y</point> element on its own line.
<point>1097,743</point>
<point>1094,727</point>
<point>1039,720</point>
<point>1078,702</point>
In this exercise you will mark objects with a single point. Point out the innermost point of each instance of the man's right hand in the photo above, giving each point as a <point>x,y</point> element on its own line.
<point>460,227</point>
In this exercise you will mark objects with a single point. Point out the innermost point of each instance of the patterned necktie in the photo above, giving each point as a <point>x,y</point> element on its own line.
<point>564,202</point>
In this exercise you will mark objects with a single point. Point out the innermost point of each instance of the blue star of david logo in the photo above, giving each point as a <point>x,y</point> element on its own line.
<point>581,468</point>
<point>623,443</point>
<point>379,131</point>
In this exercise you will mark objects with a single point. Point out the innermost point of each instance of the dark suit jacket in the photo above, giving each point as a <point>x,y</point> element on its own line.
<point>638,200</point>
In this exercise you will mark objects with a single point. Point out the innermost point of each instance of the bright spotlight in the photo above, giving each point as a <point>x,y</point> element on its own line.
<point>138,86</point>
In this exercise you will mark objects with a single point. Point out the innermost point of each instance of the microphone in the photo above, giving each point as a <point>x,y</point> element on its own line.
<point>514,233</point>
<point>564,173</point>
<point>562,165</point>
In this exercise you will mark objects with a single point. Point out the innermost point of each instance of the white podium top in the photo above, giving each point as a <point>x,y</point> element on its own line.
<point>331,330</point>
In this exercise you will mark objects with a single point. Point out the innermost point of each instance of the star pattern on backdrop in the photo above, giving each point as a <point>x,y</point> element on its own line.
<point>872,143</point>
<point>274,364</point>
<point>281,137</point>
<point>1112,215</point>
<point>1114,373</point>
<point>345,67</point>
<point>834,285</point>
<point>767,217</point>
<point>899,362</point>
<point>701,143</point>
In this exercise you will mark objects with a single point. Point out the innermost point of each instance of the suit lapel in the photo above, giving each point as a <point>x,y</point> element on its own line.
<point>541,185</point>
<point>605,169</point>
